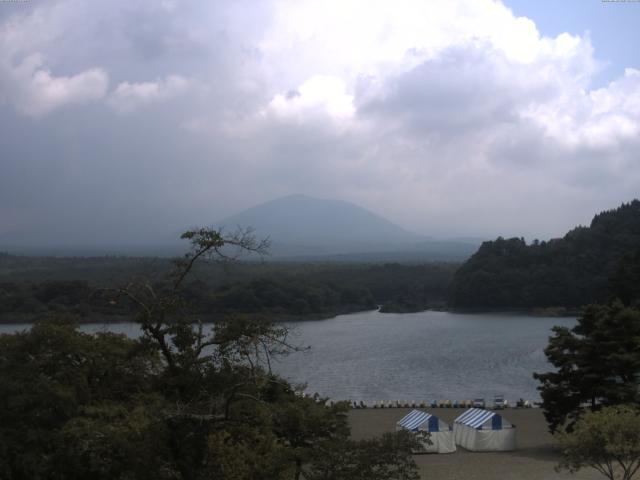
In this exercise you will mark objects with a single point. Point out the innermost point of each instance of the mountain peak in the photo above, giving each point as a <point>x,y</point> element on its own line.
<point>305,220</point>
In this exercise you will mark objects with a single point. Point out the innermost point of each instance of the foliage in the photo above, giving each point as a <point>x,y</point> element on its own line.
<point>278,290</point>
<point>625,282</point>
<point>294,297</point>
<point>181,402</point>
<point>385,458</point>
<point>608,441</point>
<point>571,272</point>
<point>597,364</point>
<point>49,296</point>
<point>408,304</point>
<point>54,375</point>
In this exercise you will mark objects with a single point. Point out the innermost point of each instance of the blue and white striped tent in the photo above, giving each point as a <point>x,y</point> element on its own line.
<point>440,434</point>
<point>481,430</point>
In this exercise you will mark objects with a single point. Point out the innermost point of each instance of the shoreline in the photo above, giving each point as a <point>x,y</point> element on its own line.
<point>102,319</point>
<point>99,319</point>
<point>560,312</point>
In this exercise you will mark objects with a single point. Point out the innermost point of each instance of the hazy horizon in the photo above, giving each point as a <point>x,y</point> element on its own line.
<point>297,226</point>
<point>124,123</point>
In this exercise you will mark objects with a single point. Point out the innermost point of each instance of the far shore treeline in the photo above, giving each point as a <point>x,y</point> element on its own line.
<point>589,264</point>
<point>34,287</point>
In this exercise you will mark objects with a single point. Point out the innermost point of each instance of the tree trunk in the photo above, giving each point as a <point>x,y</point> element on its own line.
<point>298,469</point>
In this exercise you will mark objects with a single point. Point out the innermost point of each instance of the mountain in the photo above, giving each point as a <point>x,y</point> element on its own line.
<point>299,219</point>
<point>589,264</point>
<point>306,228</point>
<point>299,225</point>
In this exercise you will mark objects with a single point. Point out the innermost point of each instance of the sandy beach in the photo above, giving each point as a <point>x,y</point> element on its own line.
<point>534,459</point>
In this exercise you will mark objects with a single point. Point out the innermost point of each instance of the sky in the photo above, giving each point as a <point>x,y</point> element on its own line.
<point>125,121</point>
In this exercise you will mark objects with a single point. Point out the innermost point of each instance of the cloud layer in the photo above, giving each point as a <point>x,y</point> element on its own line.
<point>127,121</point>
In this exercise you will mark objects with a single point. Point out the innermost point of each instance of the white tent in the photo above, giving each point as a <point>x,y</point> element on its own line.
<point>421,423</point>
<point>481,430</point>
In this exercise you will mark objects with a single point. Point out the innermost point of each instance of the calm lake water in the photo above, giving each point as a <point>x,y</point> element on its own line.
<point>419,356</point>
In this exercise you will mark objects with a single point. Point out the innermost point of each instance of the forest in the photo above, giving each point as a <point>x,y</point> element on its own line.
<point>588,265</point>
<point>34,287</point>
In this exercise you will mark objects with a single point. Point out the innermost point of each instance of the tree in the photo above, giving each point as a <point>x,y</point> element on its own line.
<point>68,397</point>
<point>182,402</point>
<point>625,283</point>
<point>597,363</point>
<point>306,423</point>
<point>608,441</point>
<point>384,458</point>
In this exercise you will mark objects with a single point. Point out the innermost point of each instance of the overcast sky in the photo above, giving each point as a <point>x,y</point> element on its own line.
<point>124,121</point>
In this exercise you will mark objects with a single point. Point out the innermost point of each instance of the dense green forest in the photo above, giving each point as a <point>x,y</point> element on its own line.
<point>589,264</point>
<point>177,403</point>
<point>32,287</point>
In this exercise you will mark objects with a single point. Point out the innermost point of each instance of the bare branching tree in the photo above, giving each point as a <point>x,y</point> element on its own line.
<point>188,347</point>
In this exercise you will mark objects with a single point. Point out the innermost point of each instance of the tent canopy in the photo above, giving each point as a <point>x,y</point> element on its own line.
<point>433,435</point>
<point>482,419</point>
<point>419,420</point>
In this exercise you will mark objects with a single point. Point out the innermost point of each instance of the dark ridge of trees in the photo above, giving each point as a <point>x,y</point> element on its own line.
<point>337,289</point>
<point>22,301</point>
<point>588,265</point>
<point>101,270</point>
<point>273,296</point>
<point>33,287</point>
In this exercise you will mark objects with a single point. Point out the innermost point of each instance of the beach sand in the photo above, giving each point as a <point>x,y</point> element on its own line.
<point>534,459</point>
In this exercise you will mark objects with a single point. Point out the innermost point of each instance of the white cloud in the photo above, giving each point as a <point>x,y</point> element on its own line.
<point>131,96</point>
<point>320,94</point>
<point>26,79</point>
<point>606,117</point>
<point>353,37</point>
<point>432,66</point>
<point>33,90</point>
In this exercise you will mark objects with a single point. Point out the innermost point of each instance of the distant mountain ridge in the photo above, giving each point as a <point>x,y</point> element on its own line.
<point>303,228</point>
<point>300,219</point>
<point>570,272</point>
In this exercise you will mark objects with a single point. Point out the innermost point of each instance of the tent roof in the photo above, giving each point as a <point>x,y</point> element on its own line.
<point>475,417</point>
<point>414,419</point>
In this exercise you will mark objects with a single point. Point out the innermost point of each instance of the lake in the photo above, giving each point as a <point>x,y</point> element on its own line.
<point>418,356</point>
